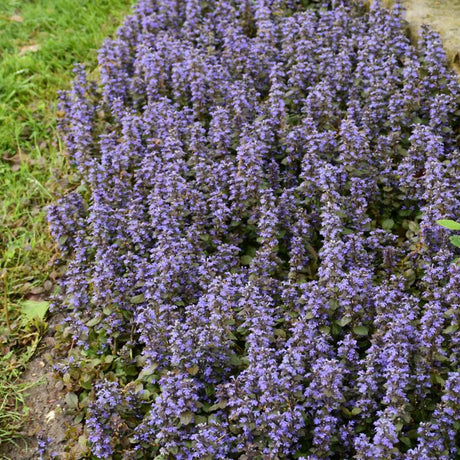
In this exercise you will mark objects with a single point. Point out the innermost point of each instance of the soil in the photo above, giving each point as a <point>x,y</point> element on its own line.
<point>47,416</point>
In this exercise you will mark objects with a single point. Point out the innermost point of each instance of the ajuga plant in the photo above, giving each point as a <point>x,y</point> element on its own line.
<point>254,265</point>
<point>451,225</point>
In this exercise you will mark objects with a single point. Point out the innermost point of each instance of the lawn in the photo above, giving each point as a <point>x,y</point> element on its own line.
<point>40,42</point>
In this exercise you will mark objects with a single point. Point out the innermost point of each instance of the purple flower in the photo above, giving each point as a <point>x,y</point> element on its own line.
<point>253,264</point>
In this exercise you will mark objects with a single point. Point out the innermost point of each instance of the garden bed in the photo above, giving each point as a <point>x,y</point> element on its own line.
<point>253,264</point>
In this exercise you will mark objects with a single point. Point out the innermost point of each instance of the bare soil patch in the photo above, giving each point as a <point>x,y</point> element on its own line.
<point>47,417</point>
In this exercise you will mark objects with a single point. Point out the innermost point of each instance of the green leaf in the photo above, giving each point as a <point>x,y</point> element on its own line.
<point>280,333</point>
<point>186,417</point>
<point>356,411</point>
<point>440,357</point>
<point>334,304</point>
<point>32,309</point>
<point>455,240</point>
<point>450,224</point>
<point>246,260</point>
<point>344,321</point>
<point>71,400</point>
<point>388,224</point>
<point>201,420</point>
<point>413,226</point>
<point>78,418</point>
<point>108,359</point>
<point>93,322</point>
<point>210,389</point>
<point>450,329</point>
<point>214,407</point>
<point>86,381</point>
<point>232,336</point>
<point>83,441</point>
<point>410,276</point>
<point>361,330</point>
<point>450,312</point>
<point>63,239</point>
<point>335,329</point>
<point>193,370</point>
<point>436,378</point>
<point>235,360</point>
<point>137,299</point>
<point>405,440</point>
<point>147,372</point>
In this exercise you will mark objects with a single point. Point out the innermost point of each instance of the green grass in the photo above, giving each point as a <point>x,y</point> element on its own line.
<point>40,41</point>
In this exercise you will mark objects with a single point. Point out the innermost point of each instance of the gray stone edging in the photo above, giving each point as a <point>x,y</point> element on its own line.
<point>443,16</point>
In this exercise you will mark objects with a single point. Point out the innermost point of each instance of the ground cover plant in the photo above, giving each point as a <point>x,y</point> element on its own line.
<point>40,41</point>
<point>254,269</point>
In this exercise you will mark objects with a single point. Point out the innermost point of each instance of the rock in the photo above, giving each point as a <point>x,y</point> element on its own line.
<point>443,16</point>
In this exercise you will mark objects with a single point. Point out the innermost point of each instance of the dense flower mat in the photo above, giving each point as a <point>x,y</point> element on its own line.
<point>255,270</point>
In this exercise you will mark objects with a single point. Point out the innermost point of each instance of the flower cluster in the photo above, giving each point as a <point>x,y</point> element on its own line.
<point>253,256</point>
